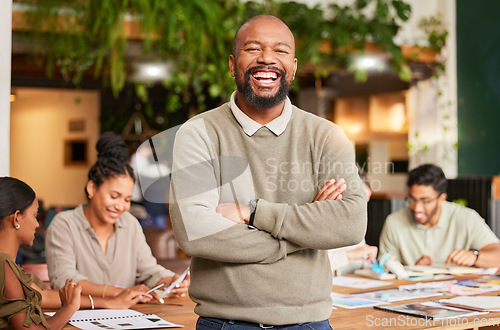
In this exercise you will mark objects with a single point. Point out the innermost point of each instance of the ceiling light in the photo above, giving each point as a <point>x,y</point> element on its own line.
<point>153,71</point>
<point>368,62</point>
<point>149,71</point>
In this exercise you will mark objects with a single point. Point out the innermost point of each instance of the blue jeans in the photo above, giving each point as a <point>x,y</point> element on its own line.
<point>208,323</point>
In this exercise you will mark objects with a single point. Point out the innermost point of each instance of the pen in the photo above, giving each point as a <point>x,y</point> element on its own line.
<point>177,281</point>
<point>156,287</point>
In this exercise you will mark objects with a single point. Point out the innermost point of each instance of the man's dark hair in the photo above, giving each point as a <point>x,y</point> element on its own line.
<point>428,175</point>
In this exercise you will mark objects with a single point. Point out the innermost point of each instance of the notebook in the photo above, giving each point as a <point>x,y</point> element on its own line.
<point>443,269</point>
<point>428,310</point>
<point>391,295</point>
<point>477,303</point>
<point>104,319</point>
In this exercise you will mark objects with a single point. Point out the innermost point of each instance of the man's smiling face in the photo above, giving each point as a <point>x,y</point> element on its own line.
<point>264,62</point>
<point>425,204</point>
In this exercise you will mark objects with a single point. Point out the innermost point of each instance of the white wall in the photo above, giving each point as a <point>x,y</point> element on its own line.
<point>435,117</point>
<point>39,127</point>
<point>5,55</point>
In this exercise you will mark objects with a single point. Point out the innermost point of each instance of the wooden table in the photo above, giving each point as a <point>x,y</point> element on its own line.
<point>180,310</point>
<point>370,318</point>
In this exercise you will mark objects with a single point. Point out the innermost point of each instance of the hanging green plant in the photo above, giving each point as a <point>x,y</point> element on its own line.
<point>195,37</point>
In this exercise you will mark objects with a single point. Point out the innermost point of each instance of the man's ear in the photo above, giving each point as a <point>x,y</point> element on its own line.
<point>442,197</point>
<point>294,68</point>
<point>232,63</point>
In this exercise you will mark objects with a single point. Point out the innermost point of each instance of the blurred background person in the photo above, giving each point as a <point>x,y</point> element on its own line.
<point>100,244</point>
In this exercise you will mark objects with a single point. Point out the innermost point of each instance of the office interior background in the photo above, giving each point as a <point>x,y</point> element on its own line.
<point>49,126</point>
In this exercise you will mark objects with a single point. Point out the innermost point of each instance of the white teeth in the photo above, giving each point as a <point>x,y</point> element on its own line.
<point>266,75</point>
<point>113,214</point>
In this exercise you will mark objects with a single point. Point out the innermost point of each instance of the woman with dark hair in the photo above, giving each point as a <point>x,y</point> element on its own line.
<point>100,244</point>
<point>22,295</point>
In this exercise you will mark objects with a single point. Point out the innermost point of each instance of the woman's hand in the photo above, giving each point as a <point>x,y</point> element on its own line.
<point>139,287</point>
<point>181,288</point>
<point>70,294</point>
<point>128,298</point>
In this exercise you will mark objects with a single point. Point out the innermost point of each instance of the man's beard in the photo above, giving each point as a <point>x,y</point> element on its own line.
<point>430,215</point>
<point>261,102</point>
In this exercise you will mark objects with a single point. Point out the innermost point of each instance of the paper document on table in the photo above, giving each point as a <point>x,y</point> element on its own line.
<point>117,319</point>
<point>478,303</point>
<point>391,295</point>
<point>437,286</point>
<point>351,302</point>
<point>429,310</point>
<point>358,283</point>
<point>463,290</point>
<point>443,269</point>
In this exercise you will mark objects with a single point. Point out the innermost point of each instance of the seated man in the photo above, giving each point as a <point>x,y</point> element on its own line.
<point>433,231</point>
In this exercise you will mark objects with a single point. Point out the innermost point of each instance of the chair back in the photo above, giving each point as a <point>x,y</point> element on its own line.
<point>162,242</point>
<point>40,270</point>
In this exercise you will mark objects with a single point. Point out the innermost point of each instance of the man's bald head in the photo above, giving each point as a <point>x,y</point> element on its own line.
<point>255,20</point>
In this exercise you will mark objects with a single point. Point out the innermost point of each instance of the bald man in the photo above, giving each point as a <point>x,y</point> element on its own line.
<point>255,187</point>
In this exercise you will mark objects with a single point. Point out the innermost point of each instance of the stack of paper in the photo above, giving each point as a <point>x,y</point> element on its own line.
<point>481,303</point>
<point>428,310</point>
<point>443,269</point>
<point>100,319</point>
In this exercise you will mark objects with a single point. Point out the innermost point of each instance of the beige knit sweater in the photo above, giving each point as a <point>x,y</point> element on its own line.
<point>276,273</point>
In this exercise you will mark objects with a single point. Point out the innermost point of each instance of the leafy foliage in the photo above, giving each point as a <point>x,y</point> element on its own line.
<point>195,36</point>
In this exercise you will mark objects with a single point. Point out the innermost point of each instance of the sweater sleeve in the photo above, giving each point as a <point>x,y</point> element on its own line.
<point>325,224</point>
<point>195,194</point>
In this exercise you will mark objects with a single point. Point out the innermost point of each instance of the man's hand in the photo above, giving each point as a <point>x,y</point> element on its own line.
<point>424,261</point>
<point>461,257</point>
<point>364,253</point>
<point>331,190</point>
<point>239,213</point>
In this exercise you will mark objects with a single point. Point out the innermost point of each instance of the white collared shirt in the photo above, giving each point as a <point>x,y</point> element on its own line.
<point>250,126</point>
